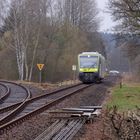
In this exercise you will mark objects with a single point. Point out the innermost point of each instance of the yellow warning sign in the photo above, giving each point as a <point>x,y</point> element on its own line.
<point>40,66</point>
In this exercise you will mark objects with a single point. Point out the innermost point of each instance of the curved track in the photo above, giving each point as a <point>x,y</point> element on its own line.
<point>40,97</point>
<point>18,93</point>
<point>4,92</point>
<point>38,105</point>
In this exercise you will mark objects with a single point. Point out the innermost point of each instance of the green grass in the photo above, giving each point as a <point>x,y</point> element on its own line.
<point>125,98</point>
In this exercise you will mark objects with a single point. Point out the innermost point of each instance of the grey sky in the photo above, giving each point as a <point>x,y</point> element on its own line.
<point>106,21</point>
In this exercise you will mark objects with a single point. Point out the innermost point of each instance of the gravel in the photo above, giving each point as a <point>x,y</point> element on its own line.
<point>31,128</point>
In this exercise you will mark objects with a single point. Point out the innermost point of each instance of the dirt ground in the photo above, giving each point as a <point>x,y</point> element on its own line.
<point>95,95</point>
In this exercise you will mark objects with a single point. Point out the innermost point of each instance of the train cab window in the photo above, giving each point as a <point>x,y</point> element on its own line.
<point>88,61</point>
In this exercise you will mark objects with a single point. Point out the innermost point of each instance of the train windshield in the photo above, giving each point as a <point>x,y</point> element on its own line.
<point>88,61</point>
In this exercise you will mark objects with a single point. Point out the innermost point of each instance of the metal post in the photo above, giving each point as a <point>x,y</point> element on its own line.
<point>40,76</point>
<point>74,73</point>
<point>121,84</point>
<point>0,96</point>
<point>40,67</point>
<point>73,77</point>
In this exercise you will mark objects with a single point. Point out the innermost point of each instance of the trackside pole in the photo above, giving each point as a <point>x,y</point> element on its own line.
<point>40,67</point>
<point>40,76</point>
<point>74,73</point>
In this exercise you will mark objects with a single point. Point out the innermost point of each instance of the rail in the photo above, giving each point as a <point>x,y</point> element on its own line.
<point>8,117</point>
<point>6,94</point>
<point>12,123</point>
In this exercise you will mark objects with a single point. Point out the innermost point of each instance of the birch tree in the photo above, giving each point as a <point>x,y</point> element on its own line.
<point>24,21</point>
<point>43,31</point>
<point>16,24</point>
<point>82,13</point>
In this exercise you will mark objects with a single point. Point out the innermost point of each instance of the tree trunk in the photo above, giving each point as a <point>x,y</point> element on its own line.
<point>26,68</point>
<point>33,58</point>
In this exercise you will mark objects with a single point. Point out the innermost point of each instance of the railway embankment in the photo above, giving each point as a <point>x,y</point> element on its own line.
<point>116,121</point>
<point>33,127</point>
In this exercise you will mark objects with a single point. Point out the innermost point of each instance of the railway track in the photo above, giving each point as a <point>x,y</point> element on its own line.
<point>16,93</point>
<point>6,109</point>
<point>4,92</point>
<point>38,105</point>
<point>32,128</point>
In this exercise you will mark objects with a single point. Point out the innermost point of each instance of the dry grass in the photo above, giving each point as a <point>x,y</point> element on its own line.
<point>130,78</point>
<point>49,85</point>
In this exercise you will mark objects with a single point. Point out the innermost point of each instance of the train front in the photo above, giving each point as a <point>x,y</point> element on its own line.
<point>88,68</point>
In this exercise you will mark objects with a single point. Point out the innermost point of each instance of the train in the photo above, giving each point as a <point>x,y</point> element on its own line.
<point>91,67</point>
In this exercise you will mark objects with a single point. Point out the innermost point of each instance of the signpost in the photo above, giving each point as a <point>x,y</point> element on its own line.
<point>74,74</point>
<point>40,67</point>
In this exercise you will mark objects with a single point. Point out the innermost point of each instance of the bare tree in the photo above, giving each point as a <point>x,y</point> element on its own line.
<point>127,12</point>
<point>45,31</point>
<point>37,13</point>
<point>24,20</point>
<point>80,13</point>
<point>17,37</point>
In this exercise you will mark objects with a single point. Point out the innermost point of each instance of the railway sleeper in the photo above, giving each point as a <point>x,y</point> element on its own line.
<point>64,129</point>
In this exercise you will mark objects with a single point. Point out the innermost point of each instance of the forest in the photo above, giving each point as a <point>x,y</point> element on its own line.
<point>127,14</point>
<point>54,32</point>
<point>49,32</point>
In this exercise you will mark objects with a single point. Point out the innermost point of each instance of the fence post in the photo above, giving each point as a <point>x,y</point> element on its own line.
<point>121,84</point>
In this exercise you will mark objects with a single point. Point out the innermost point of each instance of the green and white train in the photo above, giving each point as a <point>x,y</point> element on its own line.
<point>92,67</point>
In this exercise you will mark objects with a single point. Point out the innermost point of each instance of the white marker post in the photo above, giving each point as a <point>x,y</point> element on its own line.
<point>74,73</point>
<point>40,67</point>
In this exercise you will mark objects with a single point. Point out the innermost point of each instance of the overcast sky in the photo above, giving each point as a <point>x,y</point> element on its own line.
<point>107,22</point>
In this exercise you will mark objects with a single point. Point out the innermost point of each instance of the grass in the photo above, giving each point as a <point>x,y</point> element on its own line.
<point>125,98</point>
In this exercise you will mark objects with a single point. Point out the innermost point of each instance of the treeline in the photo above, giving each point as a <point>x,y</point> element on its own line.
<point>127,14</point>
<point>51,32</point>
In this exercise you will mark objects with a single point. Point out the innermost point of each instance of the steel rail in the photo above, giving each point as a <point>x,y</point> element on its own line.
<point>6,94</point>
<point>48,130</point>
<point>2,110</point>
<point>37,98</point>
<point>62,129</point>
<point>74,130</point>
<point>56,129</point>
<point>39,110</point>
<point>27,90</point>
<point>8,117</point>
<point>10,107</point>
